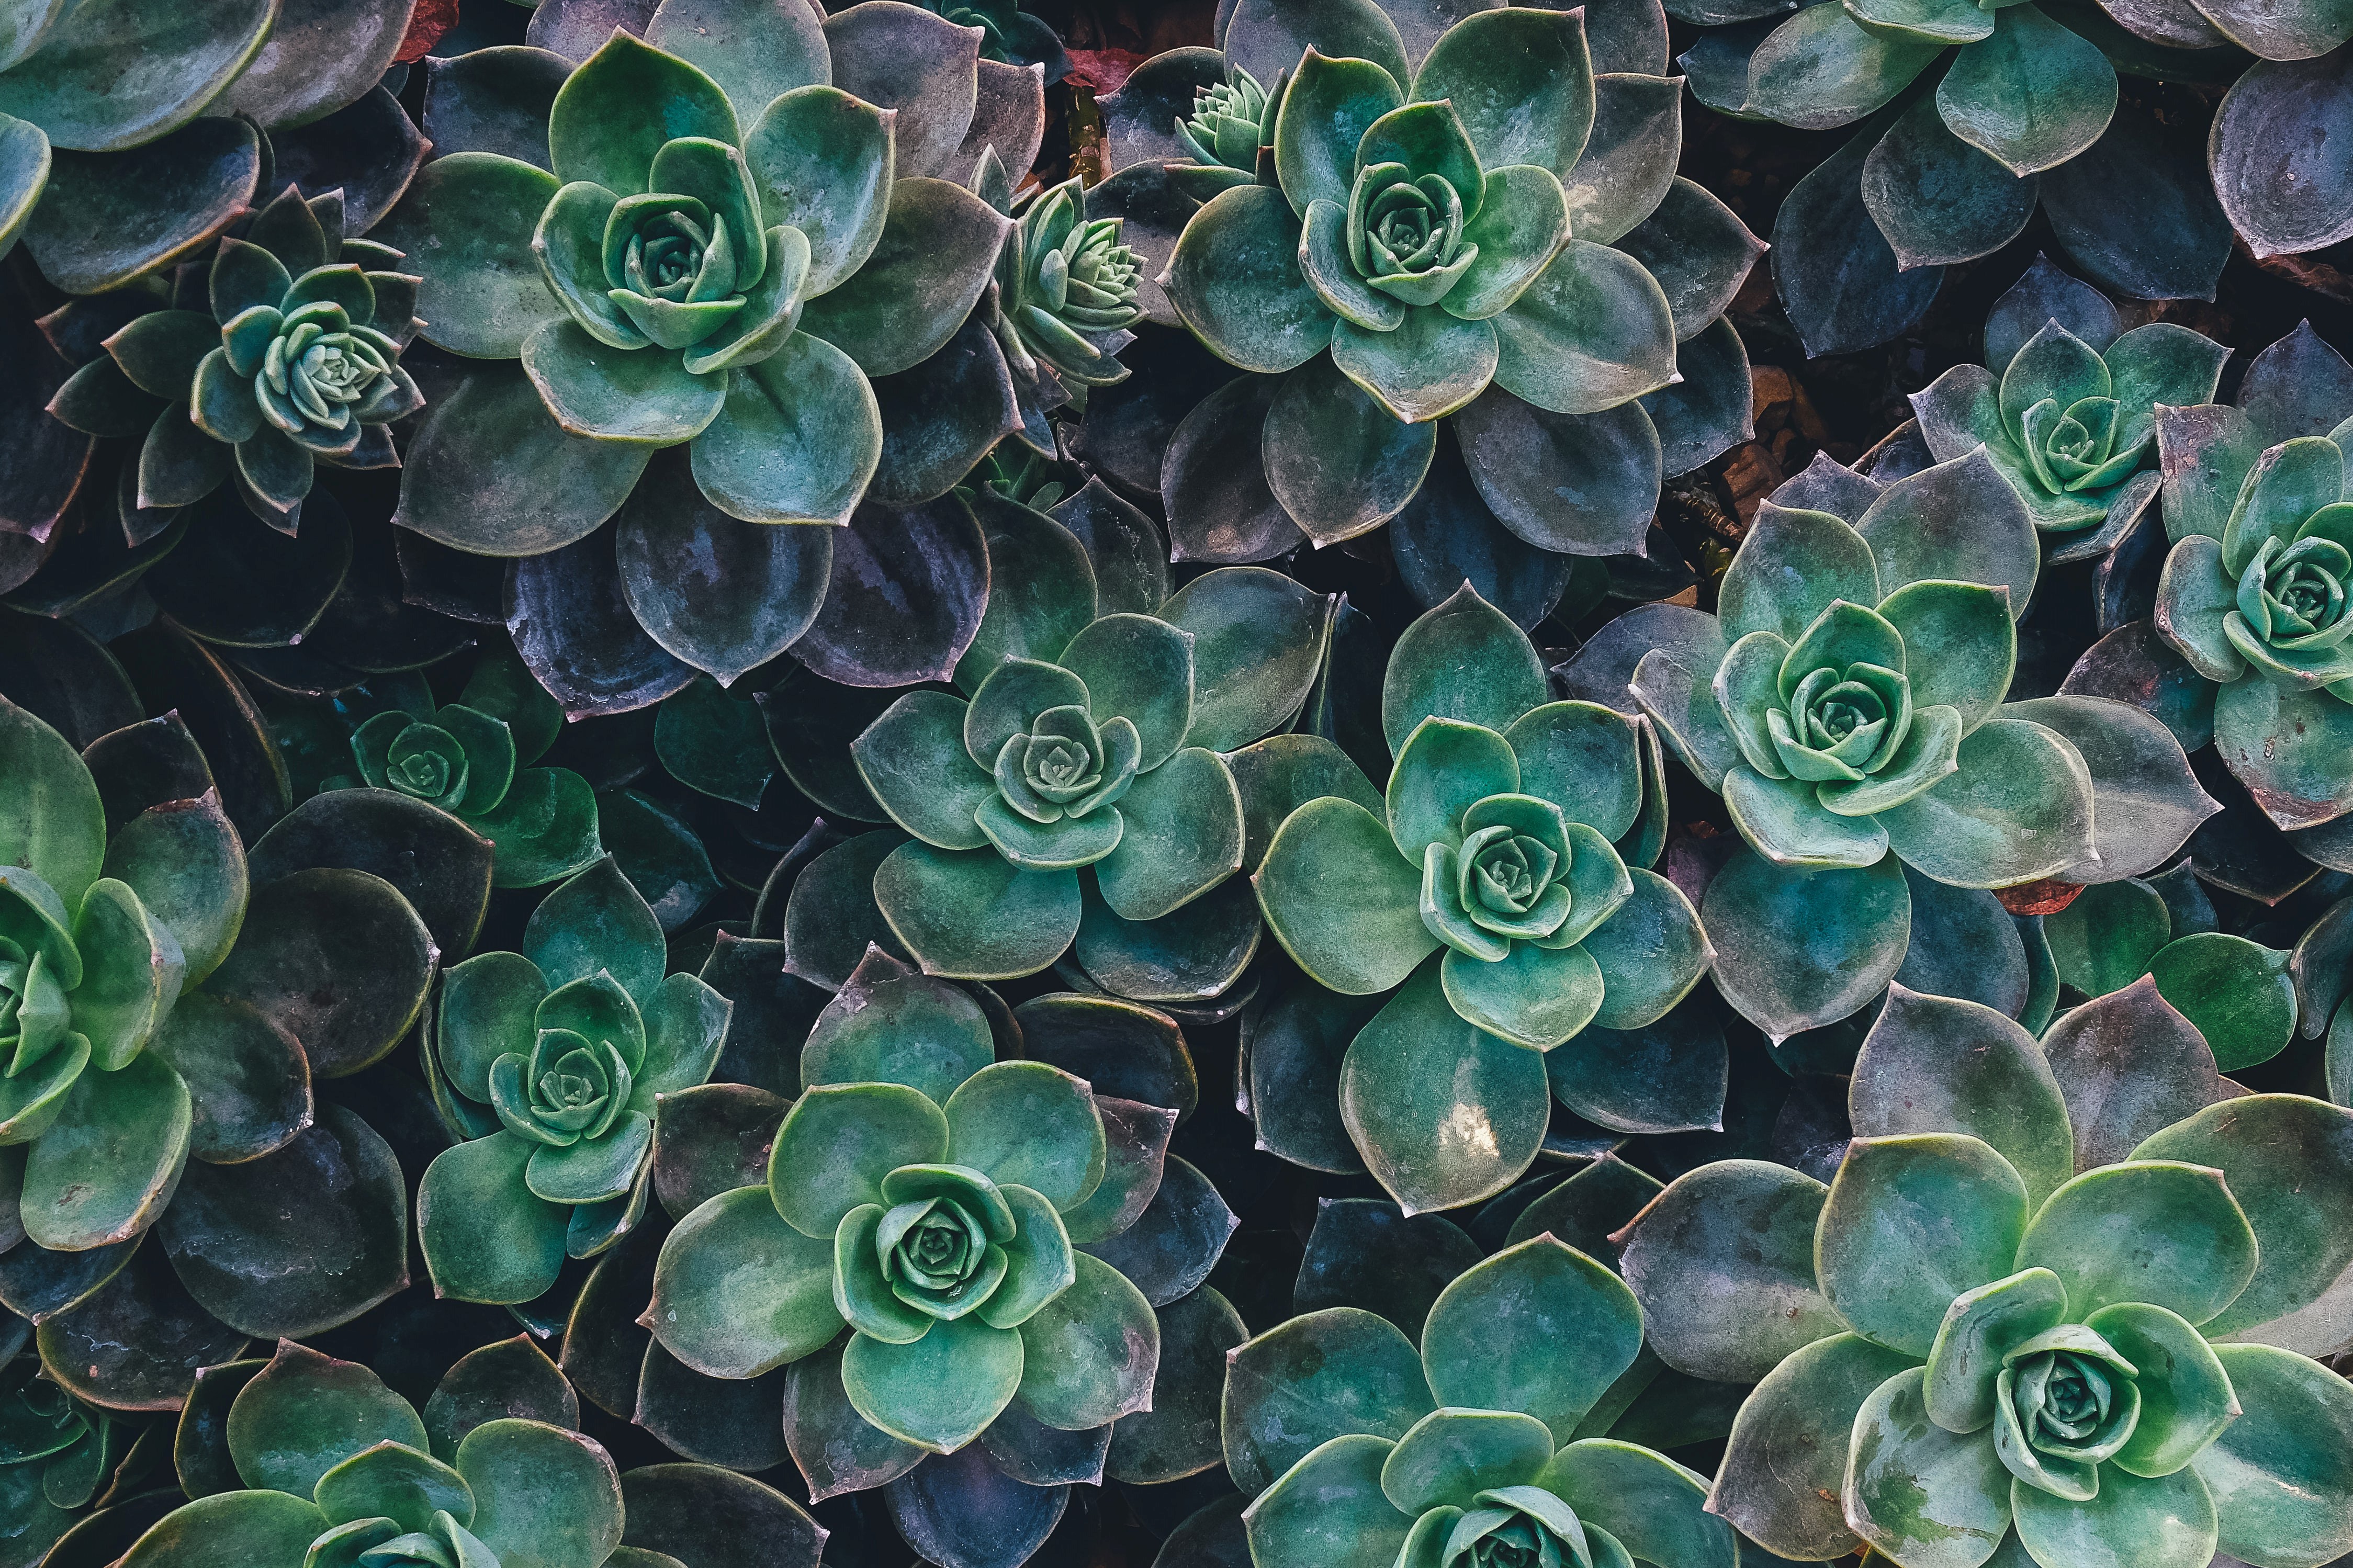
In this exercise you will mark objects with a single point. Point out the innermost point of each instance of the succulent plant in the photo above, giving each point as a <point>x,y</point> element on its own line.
<point>2252,594</point>
<point>1970,120</point>
<point>92,974</point>
<point>472,758</point>
<point>2087,1357</point>
<point>1009,33</point>
<point>852,365</point>
<point>1359,1448</point>
<point>293,360</point>
<point>1481,230</point>
<point>1065,289</point>
<point>547,1064</point>
<point>305,1458</point>
<point>2238,993</point>
<point>1483,893</point>
<point>678,243</point>
<point>1075,789</point>
<point>1226,128</point>
<point>1847,702</point>
<point>170,1003</point>
<point>60,1458</point>
<point>2069,415</point>
<point>965,1219</point>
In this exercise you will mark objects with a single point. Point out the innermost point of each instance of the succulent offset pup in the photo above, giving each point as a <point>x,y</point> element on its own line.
<point>1485,1470</point>
<point>295,361</point>
<point>1986,1343</point>
<point>1065,286</point>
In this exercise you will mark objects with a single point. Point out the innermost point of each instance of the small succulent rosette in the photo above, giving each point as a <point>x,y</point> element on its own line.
<point>1487,895</point>
<point>1474,296</point>
<point>2068,412</point>
<point>735,286</point>
<point>472,758</point>
<point>2028,1319</point>
<point>1074,788</point>
<point>1847,700</point>
<point>62,1458</point>
<point>1947,162</point>
<point>1063,298</point>
<point>167,1004</point>
<point>286,355</point>
<point>1357,1448</point>
<point>939,1251</point>
<point>2253,596</point>
<point>302,1460</point>
<point>547,1065</point>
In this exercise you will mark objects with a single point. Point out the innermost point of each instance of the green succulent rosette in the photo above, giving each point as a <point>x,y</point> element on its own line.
<point>293,360</point>
<point>933,1214</point>
<point>472,758</point>
<point>2069,415</point>
<point>2090,1355</point>
<point>1486,1469</point>
<point>313,1460</point>
<point>92,973</point>
<point>723,248</point>
<point>170,1008</point>
<point>1074,788</point>
<point>1400,225</point>
<point>1484,893</point>
<point>2253,593</point>
<point>1848,702</point>
<point>547,1064</point>
<point>1228,125</point>
<point>1065,293</point>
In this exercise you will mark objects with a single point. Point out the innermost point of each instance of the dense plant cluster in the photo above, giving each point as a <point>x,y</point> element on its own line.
<point>1292,784</point>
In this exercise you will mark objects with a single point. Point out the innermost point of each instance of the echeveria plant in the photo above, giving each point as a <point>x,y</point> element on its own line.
<point>1065,290</point>
<point>2253,593</point>
<point>368,1481</point>
<point>1361,1448</point>
<point>2020,1319</point>
<point>1847,702</point>
<point>472,758</point>
<point>1486,894</point>
<point>293,360</point>
<point>2069,413</point>
<point>743,239</point>
<point>1080,775</point>
<point>676,245</point>
<point>1404,225</point>
<point>547,1065</point>
<point>928,1200</point>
